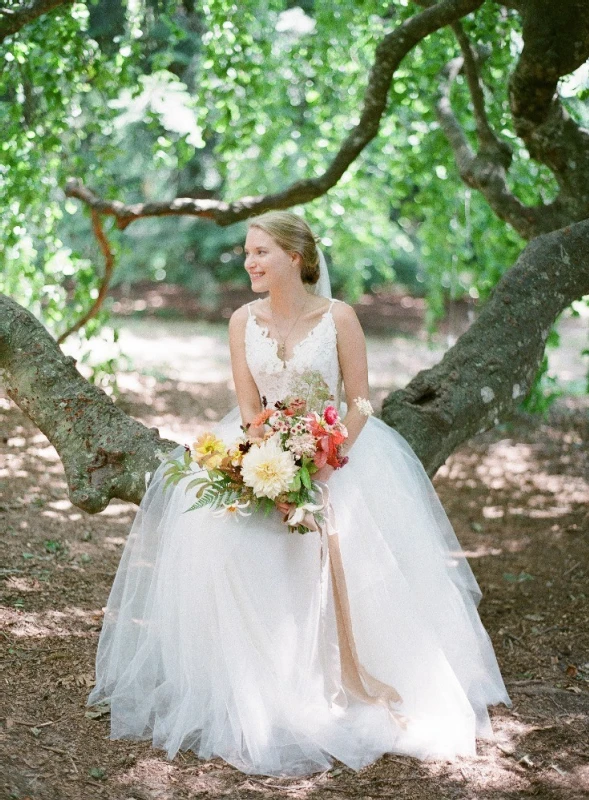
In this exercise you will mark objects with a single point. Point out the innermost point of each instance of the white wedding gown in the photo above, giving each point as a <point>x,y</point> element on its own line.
<point>220,634</point>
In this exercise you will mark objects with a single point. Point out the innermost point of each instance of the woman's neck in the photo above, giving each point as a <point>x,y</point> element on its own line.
<point>289,304</point>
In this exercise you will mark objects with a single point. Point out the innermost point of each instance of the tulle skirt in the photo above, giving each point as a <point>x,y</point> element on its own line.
<point>220,635</point>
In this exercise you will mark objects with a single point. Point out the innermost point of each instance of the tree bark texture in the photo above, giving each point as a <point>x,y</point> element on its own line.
<point>491,367</point>
<point>13,19</point>
<point>556,42</point>
<point>106,453</point>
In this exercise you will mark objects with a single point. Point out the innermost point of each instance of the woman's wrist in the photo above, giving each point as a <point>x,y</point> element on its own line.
<point>323,473</point>
<point>256,431</point>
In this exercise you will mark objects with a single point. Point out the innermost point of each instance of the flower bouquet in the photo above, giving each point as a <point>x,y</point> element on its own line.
<point>256,473</point>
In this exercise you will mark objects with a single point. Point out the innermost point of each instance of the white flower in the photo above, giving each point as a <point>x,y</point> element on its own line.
<point>268,469</point>
<point>299,513</point>
<point>302,445</point>
<point>233,507</point>
<point>363,405</point>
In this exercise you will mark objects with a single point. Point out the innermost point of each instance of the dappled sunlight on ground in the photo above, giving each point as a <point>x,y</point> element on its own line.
<point>68,621</point>
<point>517,497</point>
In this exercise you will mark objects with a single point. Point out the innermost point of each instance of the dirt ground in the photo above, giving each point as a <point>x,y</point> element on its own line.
<point>518,497</point>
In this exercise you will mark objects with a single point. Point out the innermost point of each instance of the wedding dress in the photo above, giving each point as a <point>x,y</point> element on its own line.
<point>220,634</point>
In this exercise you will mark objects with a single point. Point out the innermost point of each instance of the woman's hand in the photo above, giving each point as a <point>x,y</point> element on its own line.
<point>256,434</point>
<point>323,473</point>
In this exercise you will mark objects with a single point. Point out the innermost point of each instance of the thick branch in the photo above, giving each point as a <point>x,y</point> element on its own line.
<point>556,42</point>
<point>484,376</point>
<point>486,170</point>
<point>14,18</point>
<point>389,54</point>
<point>105,452</point>
<point>491,367</point>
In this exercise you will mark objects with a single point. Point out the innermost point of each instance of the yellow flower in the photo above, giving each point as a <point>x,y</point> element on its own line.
<point>209,451</point>
<point>236,453</point>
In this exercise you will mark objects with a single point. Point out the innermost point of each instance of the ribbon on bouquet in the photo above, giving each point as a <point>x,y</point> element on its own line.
<point>355,677</point>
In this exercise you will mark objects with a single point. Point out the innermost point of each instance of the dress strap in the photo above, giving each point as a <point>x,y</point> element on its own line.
<point>249,311</point>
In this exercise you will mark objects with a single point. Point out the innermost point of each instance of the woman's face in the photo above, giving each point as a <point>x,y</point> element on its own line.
<point>267,264</point>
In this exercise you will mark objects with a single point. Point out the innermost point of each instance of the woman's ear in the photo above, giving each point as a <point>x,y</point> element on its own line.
<point>296,259</point>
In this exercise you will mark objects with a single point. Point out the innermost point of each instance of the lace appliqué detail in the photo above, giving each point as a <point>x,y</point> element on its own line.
<point>317,352</point>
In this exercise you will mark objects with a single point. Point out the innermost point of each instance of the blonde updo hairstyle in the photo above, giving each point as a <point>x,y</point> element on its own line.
<point>293,235</point>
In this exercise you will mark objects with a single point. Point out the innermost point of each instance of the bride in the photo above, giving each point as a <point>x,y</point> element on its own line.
<point>235,637</point>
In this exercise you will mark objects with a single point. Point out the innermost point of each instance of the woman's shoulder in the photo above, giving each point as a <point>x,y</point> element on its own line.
<point>239,317</point>
<point>346,320</point>
<point>242,312</point>
<point>342,310</point>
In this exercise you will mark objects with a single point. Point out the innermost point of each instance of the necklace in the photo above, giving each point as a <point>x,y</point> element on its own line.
<point>282,344</point>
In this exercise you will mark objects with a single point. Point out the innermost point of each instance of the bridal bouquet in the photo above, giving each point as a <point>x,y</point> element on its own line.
<point>258,472</point>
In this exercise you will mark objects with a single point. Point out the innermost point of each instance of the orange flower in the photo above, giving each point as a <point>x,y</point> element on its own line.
<point>327,445</point>
<point>261,418</point>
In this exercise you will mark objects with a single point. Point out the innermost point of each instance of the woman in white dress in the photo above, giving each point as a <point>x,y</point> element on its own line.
<point>235,637</point>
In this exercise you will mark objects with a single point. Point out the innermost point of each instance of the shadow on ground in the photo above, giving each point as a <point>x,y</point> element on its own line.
<point>517,497</point>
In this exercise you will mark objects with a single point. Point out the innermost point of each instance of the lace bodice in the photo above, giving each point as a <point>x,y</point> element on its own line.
<point>316,352</point>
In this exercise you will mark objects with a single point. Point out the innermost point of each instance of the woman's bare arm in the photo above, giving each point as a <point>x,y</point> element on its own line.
<point>351,349</point>
<point>248,397</point>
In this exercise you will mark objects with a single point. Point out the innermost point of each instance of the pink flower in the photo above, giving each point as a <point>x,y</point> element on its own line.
<point>330,415</point>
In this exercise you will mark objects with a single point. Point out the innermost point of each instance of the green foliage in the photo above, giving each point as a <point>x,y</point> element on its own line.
<point>544,389</point>
<point>224,99</point>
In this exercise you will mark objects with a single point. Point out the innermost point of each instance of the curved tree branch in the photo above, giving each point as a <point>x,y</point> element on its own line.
<point>486,170</point>
<point>14,18</point>
<point>105,452</point>
<point>389,54</point>
<point>109,265</point>
<point>556,42</point>
<point>478,381</point>
<point>488,139</point>
<point>491,367</point>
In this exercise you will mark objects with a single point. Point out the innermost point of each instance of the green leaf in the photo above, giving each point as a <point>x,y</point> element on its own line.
<point>196,482</point>
<point>305,477</point>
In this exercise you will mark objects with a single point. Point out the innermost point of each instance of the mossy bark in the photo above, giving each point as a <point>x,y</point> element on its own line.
<point>106,453</point>
<point>491,367</point>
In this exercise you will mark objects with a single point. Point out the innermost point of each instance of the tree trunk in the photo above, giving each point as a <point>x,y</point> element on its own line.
<point>107,454</point>
<point>491,367</point>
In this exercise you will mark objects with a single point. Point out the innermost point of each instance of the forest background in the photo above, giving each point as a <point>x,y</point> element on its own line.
<point>441,150</point>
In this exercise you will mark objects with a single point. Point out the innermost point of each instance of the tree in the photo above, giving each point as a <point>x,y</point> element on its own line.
<point>15,16</point>
<point>493,365</point>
